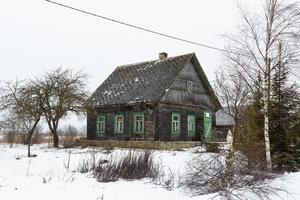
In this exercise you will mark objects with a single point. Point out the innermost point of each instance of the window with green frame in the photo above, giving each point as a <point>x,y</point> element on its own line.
<point>100,126</point>
<point>119,123</point>
<point>175,123</point>
<point>191,125</point>
<point>138,122</point>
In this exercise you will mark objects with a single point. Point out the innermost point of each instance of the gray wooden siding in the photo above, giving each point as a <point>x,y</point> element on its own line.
<point>128,111</point>
<point>164,122</point>
<point>177,92</point>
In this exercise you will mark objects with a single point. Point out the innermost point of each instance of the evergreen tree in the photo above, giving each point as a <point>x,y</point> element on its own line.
<point>284,104</point>
<point>255,119</point>
<point>253,129</point>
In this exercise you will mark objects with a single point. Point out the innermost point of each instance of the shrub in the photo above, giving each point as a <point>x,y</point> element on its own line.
<point>215,175</point>
<point>134,165</point>
<point>70,141</point>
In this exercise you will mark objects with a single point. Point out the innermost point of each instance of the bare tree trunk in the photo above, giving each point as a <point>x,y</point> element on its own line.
<point>229,164</point>
<point>29,137</point>
<point>53,129</point>
<point>266,101</point>
<point>29,144</point>
<point>55,139</point>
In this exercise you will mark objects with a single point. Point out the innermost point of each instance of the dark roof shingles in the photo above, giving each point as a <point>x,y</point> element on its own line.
<point>140,82</point>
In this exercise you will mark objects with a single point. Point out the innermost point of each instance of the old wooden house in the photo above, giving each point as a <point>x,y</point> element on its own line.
<point>165,99</point>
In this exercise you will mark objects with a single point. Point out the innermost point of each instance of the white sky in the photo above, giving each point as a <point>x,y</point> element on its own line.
<point>36,36</point>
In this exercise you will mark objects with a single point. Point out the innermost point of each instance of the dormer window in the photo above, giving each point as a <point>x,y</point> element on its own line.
<point>190,86</point>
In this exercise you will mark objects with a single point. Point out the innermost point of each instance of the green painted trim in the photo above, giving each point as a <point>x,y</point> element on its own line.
<point>174,114</point>
<point>207,122</point>
<point>135,114</point>
<point>115,123</point>
<point>193,118</point>
<point>98,132</point>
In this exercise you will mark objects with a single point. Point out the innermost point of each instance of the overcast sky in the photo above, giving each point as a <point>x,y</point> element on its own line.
<point>36,36</point>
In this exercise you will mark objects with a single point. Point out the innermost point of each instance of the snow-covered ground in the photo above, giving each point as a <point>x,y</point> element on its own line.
<point>48,176</point>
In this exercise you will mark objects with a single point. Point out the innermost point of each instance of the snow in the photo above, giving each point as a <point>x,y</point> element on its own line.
<point>47,176</point>
<point>106,92</point>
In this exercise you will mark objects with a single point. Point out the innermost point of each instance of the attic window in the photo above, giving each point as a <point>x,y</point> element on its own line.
<point>189,86</point>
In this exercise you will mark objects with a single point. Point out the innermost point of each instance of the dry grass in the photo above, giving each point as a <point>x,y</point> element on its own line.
<point>134,165</point>
<point>70,141</point>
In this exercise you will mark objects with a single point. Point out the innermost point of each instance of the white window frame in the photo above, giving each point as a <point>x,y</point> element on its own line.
<point>175,123</point>
<point>101,124</point>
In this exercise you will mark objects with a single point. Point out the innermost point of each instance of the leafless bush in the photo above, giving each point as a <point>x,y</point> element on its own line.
<point>70,141</point>
<point>170,181</point>
<point>89,164</point>
<point>134,165</point>
<point>211,176</point>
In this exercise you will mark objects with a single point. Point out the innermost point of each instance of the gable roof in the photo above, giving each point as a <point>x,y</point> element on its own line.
<point>144,82</point>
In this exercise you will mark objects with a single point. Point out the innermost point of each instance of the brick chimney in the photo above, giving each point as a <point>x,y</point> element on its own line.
<point>163,56</point>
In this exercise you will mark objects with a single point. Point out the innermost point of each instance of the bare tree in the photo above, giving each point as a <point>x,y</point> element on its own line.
<point>11,127</point>
<point>24,100</point>
<point>233,93</point>
<point>63,93</point>
<point>255,45</point>
<point>70,130</point>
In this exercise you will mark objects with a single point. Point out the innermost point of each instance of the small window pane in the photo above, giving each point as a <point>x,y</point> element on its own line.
<point>119,124</point>
<point>101,124</point>
<point>175,123</point>
<point>138,122</point>
<point>189,86</point>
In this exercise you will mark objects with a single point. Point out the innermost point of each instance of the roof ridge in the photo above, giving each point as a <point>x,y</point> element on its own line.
<point>154,61</point>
